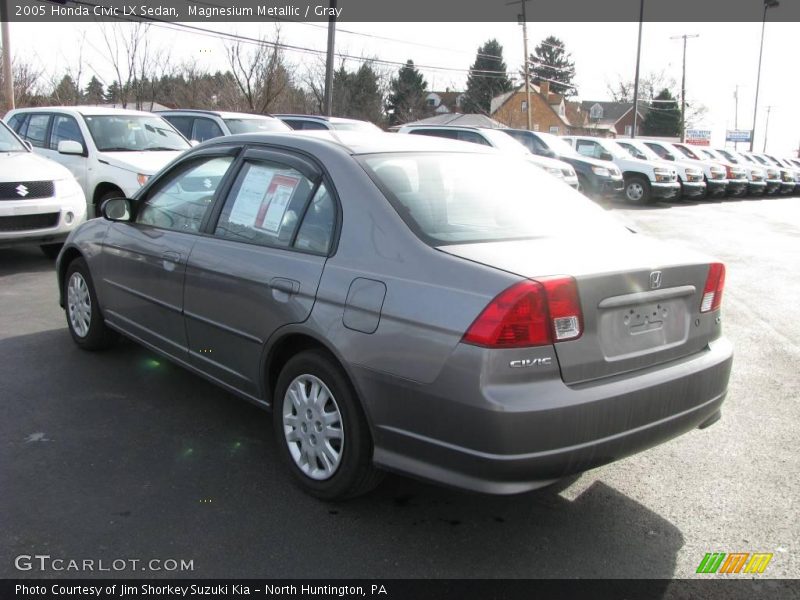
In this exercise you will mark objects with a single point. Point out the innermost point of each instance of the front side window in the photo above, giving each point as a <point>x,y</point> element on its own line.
<point>265,205</point>
<point>65,128</point>
<point>182,201</point>
<point>452,198</point>
<point>133,133</point>
<point>205,129</point>
<point>588,148</point>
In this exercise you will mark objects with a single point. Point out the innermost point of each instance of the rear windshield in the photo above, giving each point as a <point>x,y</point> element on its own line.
<point>456,198</point>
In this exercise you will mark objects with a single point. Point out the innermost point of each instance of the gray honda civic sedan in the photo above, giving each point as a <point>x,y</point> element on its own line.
<point>403,303</point>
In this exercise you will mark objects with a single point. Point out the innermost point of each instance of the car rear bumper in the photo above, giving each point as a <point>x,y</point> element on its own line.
<point>665,190</point>
<point>513,438</point>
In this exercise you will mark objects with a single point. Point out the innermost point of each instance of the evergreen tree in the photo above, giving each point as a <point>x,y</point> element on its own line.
<point>66,92</point>
<point>113,93</point>
<point>94,92</point>
<point>407,93</point>
<point>663,117</point>
<point>550,62</point>
<point>483,84</point>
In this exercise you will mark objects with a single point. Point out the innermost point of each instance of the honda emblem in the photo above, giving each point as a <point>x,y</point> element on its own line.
<point>655,280</point>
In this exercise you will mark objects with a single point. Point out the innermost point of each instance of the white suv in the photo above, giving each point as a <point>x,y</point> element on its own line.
<point>40,201</point>
<point>111,152</point>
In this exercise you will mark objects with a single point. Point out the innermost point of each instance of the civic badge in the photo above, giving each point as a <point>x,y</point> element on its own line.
<point>655,280</point>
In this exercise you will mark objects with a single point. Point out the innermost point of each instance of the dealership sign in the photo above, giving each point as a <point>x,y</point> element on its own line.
<point>737,135</point>
<point>698,137</point>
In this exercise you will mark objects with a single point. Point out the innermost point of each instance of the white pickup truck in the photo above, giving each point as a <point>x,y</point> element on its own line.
<point>645,180</point>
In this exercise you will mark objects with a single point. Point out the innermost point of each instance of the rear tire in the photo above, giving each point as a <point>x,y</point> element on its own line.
<point>84,319</point>
<point>322,434</point>
<point>637,190</point>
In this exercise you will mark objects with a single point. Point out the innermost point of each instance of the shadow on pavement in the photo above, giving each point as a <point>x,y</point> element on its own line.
<point>24,260</point>
<point>122,454</point>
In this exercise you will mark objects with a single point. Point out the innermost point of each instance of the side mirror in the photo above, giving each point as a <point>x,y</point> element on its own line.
<point>550,154</point>
<point>70,147</point>
<point>669,157</point>
<point>606,155</point>
<point>116,209</point>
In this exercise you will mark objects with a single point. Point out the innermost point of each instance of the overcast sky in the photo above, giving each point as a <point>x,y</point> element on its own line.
<point>725,54</point>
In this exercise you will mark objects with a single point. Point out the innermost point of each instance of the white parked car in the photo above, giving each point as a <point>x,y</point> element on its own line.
<point>202,125</point>
<point>645,180</point>
<point>690,175</point>
<point>496,138</point>
<point>715,172</point>
<point>40,201</point>
<point>111,152</point>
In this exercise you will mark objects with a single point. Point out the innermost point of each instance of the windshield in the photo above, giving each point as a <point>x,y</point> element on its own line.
<point>557,145</point>
<point>452,198</point>
<point>735,160</point>
<point>759,159</point>
<point>361,126</point>
<point>640,151</point>
<point>686,152</point>
<point>9,142</point>
<point>256,125</point>
<point>133,133</point>
<point>710,154</point>
<point>505,142</point>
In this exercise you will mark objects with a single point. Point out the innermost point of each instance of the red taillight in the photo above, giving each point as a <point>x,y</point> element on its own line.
<point>729,172</point>
<point>712,293</point>
<point>529,313</point>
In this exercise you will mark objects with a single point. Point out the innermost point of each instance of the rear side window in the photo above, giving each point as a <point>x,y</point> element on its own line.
<point>440,133</point>
<point>37,130</point>
<point>265,205</point>
<point>182,124</point>
<point>316,230</point>
<point>472,138</point>
<point>65,128</point>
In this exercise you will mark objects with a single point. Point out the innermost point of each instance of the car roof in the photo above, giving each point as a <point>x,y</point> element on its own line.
<point>354,142</point>
<point>87,110</point>
<point>320,118</point>
<point>224,114</point>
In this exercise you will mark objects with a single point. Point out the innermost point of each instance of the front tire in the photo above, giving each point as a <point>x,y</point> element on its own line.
<point>637,190</point>
<point>322,433</point>
<point>84,320</point>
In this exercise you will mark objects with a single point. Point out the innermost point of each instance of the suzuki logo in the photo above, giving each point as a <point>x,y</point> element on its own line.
<point>207,183</point>
<point>655,280</point>
<point>22,190</point>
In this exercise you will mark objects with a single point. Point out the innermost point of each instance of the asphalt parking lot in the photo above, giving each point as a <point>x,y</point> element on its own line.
<point>122,455</point>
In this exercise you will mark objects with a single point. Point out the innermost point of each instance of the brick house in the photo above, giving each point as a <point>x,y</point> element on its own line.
<point>613,116</point>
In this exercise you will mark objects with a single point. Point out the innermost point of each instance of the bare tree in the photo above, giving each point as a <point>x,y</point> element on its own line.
<point>259,71</point>
<point>127,45</point>
<point>27,80</point>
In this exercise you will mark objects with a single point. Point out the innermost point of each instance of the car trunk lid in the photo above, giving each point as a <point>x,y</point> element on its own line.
<point>640,299</point>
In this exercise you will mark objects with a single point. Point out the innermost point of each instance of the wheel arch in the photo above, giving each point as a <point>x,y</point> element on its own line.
<point>290,341</point>
<point>69,254</point>
<point>103,188</point>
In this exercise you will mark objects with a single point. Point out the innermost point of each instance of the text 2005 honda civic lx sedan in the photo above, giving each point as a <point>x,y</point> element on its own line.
<point>410,304</point>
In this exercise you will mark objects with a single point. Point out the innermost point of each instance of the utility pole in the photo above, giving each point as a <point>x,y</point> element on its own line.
<point>766,129</point>
<point>523,20</point>
<point>683,83</point>
<point>636,78</point>
<point>8,75</point>
<point>767,5</point>
<point>329,60</point>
